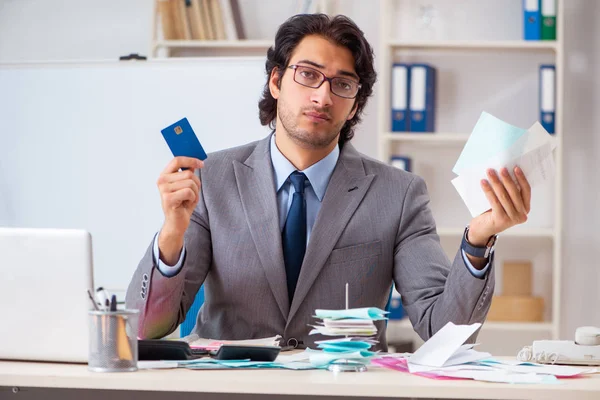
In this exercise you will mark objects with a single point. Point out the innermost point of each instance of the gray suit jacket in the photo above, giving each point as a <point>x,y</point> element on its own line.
<point>374,227</point>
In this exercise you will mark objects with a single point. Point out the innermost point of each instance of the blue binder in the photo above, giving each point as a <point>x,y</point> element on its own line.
<point>401,162</point>
<point>532,20</point>
<point>422,98</point>
<point>547,97</point>
<point>400,97</point>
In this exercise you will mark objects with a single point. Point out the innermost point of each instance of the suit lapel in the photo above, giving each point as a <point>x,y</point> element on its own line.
<point>256,186</point>
<point>347,187</point>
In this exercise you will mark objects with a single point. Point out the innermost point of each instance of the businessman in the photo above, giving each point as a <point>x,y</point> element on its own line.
<point>275,229</point>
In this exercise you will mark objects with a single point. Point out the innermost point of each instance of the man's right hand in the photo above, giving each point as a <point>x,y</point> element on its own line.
<point>179,193</point>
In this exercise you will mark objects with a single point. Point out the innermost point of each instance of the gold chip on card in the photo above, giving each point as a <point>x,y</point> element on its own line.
<point>178,130</point>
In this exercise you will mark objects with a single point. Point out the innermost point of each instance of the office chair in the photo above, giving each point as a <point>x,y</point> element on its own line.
<point>189,322</point>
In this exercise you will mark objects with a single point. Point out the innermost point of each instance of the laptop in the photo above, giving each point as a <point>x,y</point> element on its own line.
<point>44,277</point>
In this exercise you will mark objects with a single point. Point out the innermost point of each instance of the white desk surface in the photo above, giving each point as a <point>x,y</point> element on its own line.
<point>376,382</point>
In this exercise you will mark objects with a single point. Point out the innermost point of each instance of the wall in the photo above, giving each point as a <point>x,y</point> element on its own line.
<point>91,29</point>
<point>581,274</point>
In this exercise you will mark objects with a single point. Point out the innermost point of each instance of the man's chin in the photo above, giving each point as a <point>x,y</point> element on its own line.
<point>314,139</point>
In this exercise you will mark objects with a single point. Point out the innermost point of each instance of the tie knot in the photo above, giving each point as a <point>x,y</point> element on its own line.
<point>298,179</point>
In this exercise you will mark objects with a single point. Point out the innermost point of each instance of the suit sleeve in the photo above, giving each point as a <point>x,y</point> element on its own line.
<point>434,290</point>
<point>163,301</point>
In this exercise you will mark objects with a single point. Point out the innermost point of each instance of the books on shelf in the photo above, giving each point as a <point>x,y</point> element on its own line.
<point>400,97</point>
<point>413,97</point>
<point>200,19</point>
<point>539,19</point>
<point>547,97</point>
<point>548,10</point>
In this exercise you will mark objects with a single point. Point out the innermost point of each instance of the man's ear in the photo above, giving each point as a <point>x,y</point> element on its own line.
<point>273,83</point>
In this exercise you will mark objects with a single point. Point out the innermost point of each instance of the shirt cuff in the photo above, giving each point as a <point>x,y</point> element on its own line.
<point>477,273</point>
<point>167,270</point>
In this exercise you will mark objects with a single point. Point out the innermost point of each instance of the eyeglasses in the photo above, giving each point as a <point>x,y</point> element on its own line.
<point>312,78</point>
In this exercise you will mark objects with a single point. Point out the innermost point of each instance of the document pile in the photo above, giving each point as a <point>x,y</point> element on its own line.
<point>356,324</point>
<point>445,356</point>
<point>197,342</point>
<point>298,361</point>
<point>496,144</point>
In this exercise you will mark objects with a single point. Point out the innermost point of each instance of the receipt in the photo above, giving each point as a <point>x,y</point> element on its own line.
<point>532,151</point>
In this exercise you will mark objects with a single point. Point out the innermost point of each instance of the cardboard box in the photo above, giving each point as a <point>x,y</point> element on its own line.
<point>516,309</point>
<point>517,278</point>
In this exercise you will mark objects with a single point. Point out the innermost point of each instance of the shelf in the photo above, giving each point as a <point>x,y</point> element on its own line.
<point>214,44</point>
<point>490,325</point>
<point>511,233</point>
<point>430,138</point>
<point>490,45</point>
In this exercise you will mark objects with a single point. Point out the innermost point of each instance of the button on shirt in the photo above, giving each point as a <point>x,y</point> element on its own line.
<point>318,176</point>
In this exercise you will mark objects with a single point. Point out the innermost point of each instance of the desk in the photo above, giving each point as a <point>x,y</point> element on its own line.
<point>68,381</point>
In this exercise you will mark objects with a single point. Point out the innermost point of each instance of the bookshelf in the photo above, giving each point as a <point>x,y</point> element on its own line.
<point>229,43</point>
<point>482,45</point>
<point>434,153</point>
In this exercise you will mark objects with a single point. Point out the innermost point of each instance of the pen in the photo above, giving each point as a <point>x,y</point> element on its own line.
<point>113,303</point>
<point>102,297</point>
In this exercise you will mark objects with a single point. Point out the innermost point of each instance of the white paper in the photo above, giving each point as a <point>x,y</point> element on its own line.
<point>291,358</point>
<point>368,313</point>
<point>157,364</point>
<point>436,351</point>
<point>531,151</point>
<point>501,376</point>
<point>195,341</point>
<point>543,369</point>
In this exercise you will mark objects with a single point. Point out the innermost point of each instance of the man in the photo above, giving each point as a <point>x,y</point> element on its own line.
<point>276,228</point>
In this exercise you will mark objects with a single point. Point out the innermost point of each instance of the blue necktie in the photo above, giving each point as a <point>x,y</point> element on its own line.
<point>294,233</point>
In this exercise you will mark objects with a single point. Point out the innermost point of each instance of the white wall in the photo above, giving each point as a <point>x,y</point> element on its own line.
<point>581,269</point>
<point>101,29</point>
<point>73,29</point>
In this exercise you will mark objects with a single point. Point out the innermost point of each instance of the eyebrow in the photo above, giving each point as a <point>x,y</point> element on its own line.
<point>339,72</point>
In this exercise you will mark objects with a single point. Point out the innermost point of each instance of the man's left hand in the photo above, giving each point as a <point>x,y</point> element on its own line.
<point>510,201</point>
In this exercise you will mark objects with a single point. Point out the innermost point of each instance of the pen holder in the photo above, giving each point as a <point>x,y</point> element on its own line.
<point>113,341</point>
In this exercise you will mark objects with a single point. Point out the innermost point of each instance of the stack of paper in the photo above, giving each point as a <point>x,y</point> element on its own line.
<point>446,356</point>
<point>446,348</point>
<point>496,144</point>
<point>358,327</point>
<point>350,322</point>
<point>197,342</point>
<point>297,361</point>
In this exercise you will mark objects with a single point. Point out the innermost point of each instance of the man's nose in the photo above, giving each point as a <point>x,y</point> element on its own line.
<point>322,95</point>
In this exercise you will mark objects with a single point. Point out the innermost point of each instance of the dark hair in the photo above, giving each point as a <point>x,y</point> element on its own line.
<point>340,30</point>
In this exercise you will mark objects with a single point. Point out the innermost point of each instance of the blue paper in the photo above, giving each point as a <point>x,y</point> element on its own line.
<point>372,313</point>
<point>489,137</point>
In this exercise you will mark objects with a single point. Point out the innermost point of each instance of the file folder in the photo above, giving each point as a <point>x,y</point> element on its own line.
<point>400,97</point>
<point>548,11</point>
<point>422,98</point>
<point>400,162</point>
<point>532,27</point>
<point>547,96</point>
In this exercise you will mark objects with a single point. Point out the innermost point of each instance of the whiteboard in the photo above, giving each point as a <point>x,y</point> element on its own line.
<point>80,143</point>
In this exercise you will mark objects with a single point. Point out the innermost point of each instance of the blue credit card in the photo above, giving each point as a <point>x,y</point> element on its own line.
<point>183,141</point>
